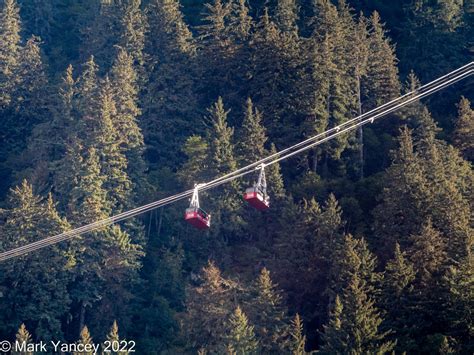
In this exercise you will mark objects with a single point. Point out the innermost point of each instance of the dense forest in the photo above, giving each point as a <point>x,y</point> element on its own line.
<point>106,105</point>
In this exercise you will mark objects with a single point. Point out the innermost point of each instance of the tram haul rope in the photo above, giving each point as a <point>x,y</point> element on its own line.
<point>256,195</point>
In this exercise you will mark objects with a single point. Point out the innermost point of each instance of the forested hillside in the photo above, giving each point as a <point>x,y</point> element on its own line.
<point>106,105</point>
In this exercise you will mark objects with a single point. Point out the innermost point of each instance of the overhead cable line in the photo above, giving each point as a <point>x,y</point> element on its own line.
<point>458,73</point>
<point>368,117</point>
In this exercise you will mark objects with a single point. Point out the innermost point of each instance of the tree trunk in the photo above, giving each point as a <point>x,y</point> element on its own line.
<point>361,133</point>
<point>315,161</point>
<point>160,223</point>
<point>82,316</point>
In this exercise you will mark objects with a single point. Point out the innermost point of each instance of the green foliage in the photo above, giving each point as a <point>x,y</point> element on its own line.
<point>287,16</point>
<point>268,314</point>
<point>208,308</point>
<point>298,339</point>
<point>427,252</point>
<point>426,181</point>
<point>85,339</point>
<point>382,83</point>
<point>196,166</point>
<point>102,32</point>
<point>23,337</point>
<point>9,50</point>
<point>354,323</point>
<point>399,273</point>
<point>463,132</point>
<point>169,103</point>
<point>159,297</point>
<point>134,27</point>
<point>31,92</point>
<point>241,337</point>
<point>124,82</point>
<point>396,297</point>
<point>459,281</point>
<point>220,140</point>
<point>106,139</point>
<point>113,338</point>
<point>252,135</point>
<point>334,339</point>
<point>354,259</point>
<point>37,292</point>
<point>241,22</point>
<point>130,125</point>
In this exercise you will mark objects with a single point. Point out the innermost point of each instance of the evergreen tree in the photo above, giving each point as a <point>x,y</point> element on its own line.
<point>62,125</point>
<point>241,337</point>
<point>196,167</point>
<point>398,199</point>
<point>276,185</point>
<point>167,23</point>
<point>240,22</point>
<point>295,250</point>
<point>67,178</point>
<point>32,90</point>
<point>113,333</point>
<point>51,138</point>
<point>354,324</point>
<point>297,342</point>
<point>88,201</point>
<point>382,83</point>
<point>435,37</point>
<point>399,273</point>
<point>37,284</point>
<point>224,37</point>
<point>169,104</point>
<point>220,136</point>
<point>208,307</point>
<point>413,321</point>
<point>427,252</point>
<point>319,85</point>
<point>87,204</point>
<point>134,28</point>
<point>458,303</point>
<point>396,298</point>
<point>85,339</point>
<point>113,338</point>
<point>125,89</point>
<point>287,16</point>
<point>215,23</point>
<point>86,105</point>
<point>310,240</point>
<point>274,78</point>
<point>330,223</point>
<point>29,107</point>
<point>9,49</point>
<point>222,161</point>
<point>464,129</point>
<point>268,315</point>
<point>426,177</point>
<point>106,139</point>
<point>252,135</point>
<point>160,296</point>
<point>354,259</point>
<point>334,340</point>
<point>103,32</point>
<point>109,256</point>
<point>331,88</point>
<point>423,181</point>
<point>23,337</point>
